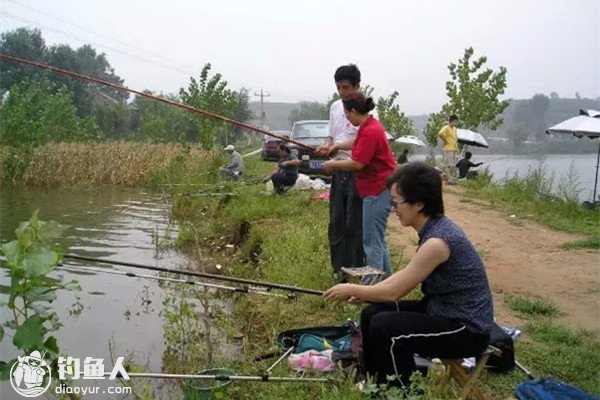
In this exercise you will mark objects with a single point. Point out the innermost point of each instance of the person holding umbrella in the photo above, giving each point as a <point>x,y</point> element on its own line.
<point>450,150</point>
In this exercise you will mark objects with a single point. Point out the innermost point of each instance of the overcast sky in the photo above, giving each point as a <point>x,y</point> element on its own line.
<point>291,49</point>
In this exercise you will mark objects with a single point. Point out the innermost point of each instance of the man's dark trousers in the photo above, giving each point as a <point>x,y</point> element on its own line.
<point>345,222</point>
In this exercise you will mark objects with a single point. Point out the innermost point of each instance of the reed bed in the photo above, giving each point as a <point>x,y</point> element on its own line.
<point>124,163</point>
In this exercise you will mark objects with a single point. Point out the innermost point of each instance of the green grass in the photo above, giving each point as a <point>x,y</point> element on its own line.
<point>592,242</point>
<point>531,306</point>
<point>287,243</point>
<point>532,195</point>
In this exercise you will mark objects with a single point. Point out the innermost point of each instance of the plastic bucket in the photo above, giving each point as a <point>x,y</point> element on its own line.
<point>213,389</point>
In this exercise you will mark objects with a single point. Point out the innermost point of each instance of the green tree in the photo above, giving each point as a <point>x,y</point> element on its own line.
<point>36,113</point>
<point>23,43</point>
<point>159,122</point>
<point>435,122</point>
<point>86,61</point>
<point>539,107</point>
<point>473,92</point>
<point>30,45</point>
<point>307,110</point>
<point>210,94</point>
<point>325,111</point>
<point>394,121</point>
<point>241,113</point>
<point>517,133</point>
<point>113,119</point>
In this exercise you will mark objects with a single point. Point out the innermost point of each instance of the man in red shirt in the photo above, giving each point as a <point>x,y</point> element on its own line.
<point>373,161</point>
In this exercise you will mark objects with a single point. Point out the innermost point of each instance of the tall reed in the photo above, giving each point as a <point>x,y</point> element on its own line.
<point>125,163</point>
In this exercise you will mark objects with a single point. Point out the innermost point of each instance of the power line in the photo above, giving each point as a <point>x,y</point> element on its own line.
<point>72,36</point>
<point>98,33</point>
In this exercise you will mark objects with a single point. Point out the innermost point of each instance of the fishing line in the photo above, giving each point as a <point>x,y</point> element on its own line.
<point>246,289</point>
<point>277,286</point>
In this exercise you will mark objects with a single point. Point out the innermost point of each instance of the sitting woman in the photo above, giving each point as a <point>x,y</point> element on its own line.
<point>455,315</point>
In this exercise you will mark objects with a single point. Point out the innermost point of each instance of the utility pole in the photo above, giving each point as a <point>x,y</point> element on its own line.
<point>262,112</point>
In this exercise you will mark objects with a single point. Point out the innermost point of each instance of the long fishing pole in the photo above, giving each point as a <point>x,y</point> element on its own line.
<point>150,96</point>
<point>278,286</point>
<point>245,289</point>
<point>256,378</point>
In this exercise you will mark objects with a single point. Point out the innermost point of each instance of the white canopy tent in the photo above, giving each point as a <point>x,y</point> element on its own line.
<point>410,139</point>
<point>587,123</point>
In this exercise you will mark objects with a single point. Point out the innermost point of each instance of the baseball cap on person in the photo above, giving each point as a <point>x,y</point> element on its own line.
<point>229,148</point>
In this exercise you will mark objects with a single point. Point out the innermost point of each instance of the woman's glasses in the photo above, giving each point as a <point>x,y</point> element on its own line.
<point>395,203</point>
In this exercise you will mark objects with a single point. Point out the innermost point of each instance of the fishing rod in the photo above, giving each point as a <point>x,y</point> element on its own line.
<point>293,289</point>
<point>150,96</point>
<point>256,378</point>
<point>245,289</point>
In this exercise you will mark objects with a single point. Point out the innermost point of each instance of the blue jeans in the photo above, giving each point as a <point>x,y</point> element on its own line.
<point>376,210</point>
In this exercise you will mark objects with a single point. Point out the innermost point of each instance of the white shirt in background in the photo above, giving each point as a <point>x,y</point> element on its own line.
<point>340,129</point>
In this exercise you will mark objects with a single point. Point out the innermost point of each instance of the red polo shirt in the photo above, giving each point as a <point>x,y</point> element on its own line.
<point>372,149</point>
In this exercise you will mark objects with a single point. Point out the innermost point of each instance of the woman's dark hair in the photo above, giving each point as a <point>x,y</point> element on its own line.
<point>285,148</point>
<point>419,183</point>
<point>453,118</point>
<point>468,155</point>
<point>358,102</point>
<point>348,73</point>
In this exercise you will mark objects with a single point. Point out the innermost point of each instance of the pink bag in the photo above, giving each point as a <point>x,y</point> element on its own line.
<point>312,359</point>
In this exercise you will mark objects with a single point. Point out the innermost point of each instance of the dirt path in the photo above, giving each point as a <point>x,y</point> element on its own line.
<point>523,258</point>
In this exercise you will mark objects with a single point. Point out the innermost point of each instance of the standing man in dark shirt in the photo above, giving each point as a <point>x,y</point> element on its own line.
<point>287,172</point>
<point>345,204</point>
<point>463,166</point>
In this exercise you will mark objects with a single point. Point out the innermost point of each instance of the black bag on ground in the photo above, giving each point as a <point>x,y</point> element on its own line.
<point>502,341</point>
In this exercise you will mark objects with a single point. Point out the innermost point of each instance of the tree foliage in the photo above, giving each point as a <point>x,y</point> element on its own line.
<point>241,113</point>
<point>435,122</point>
<point>517,133</point>
<point>308,110</point>
<point>474,90</point>
<point>37,112</point>
<point>210,93</point>
<point>161,122</point>
<point>29,44</point>
<point>394,121</point>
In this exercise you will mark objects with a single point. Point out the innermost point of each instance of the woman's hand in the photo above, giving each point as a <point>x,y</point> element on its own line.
<point>328,167</point>
<point>341,292</point>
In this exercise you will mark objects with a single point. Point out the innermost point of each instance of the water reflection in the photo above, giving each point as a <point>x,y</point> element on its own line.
<point>109,222</point>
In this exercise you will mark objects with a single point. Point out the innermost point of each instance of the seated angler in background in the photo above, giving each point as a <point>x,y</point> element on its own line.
<point>287,170</point>
<point>235,168</point>
<point>455,316</point>
<point>464,165</point>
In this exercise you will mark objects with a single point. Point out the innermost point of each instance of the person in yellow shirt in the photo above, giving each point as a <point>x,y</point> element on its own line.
<point>450,149</point>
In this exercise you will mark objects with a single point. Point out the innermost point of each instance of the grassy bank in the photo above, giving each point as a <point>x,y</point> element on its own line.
<point>284,239</point>
<point>535,197</point>
<point>124,163</point>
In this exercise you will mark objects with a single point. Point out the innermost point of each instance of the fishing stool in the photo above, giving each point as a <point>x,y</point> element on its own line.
<point>466,380</point>
<point>362,275</point>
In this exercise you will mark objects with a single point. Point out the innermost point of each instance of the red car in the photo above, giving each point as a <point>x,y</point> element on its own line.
<point>270,144</point>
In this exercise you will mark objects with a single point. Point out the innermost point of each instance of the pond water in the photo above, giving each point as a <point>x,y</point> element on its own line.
<point>111,223</point>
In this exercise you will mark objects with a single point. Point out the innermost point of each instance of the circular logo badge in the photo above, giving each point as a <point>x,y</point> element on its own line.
<point>30,375</point>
